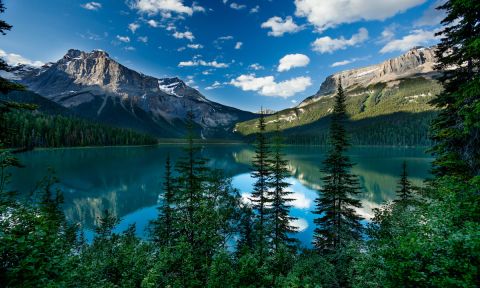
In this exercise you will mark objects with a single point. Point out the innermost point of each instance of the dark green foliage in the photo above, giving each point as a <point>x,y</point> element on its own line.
<point>280,197</point>
<point>163,227</point>
<point>405,187</point>
<point>262,173</point>
<point>43,130</point>
<point>338,222</point>
<point>456,130</point>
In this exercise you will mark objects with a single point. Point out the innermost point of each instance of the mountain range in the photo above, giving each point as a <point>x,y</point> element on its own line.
<point>94,86</point>
<point>388,103</point>
<point>389,98</point>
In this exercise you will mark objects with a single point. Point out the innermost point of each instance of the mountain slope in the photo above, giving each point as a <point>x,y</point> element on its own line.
<point>95,86</point>
<point>399,88</point>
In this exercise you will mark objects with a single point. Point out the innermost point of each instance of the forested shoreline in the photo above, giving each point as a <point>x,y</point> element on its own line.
<point>206,235</point>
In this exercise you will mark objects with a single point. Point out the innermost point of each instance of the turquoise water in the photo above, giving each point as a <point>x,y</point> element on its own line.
<point>127,180</point>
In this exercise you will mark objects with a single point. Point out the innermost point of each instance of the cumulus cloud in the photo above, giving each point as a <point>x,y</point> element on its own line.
<point>415,38</point>
<point>215,85</point>
<point>133,27</point>
<point>256,66</point>
<point>92,6</point>
<point>184,35</point>
<point>15,59</point>
<point>325,14</point>
<point>329,45</point>
<point>238,45</point>
<point>164,6</point>
<point>192,63</point>
<point>153,23</point>
<point>124,39</point>
<point>280,26</point>
<point>237,6</point>
<point>195,46</point>
<point>292,60</point>
<point>267,86</point>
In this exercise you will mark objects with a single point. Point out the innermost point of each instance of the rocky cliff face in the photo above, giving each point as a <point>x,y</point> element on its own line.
<point>417,61</point>
<point>96,86</point>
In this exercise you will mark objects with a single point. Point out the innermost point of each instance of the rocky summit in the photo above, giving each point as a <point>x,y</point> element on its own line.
<point>95,86</point>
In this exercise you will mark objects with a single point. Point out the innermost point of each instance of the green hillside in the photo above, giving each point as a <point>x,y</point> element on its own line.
<point>393,113</point>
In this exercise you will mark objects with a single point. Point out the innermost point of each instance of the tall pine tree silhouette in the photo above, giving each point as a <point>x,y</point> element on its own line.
<point>163,227</point>
<point>262,172</point>
<point>280,195</point>
<point>338,222</point>
<point>405,187</point>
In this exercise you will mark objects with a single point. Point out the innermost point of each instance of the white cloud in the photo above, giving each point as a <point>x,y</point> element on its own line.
<point>325,14</point>
<point>164,6</point>
<point>229,37</point>
<point>415,38</point>
<point>215,85</point>
<point>341,63</point>
<point>153,23</point>
<point>143,39</point>
<point>195,46</point>
<point>294,101</point>
<point>184,35</point>
<point>124,39</point>
<point>255,9</point>
<point>300,223</point>
<point>256,66</point>
<point>292,60</point>
<point>280,26</point>
<point>388,34</point>
<point>238,45</point>
<point>329,45</point>
<point>237,6</point>
<point>92,6</point>
<point>133,27</point>
<point>268,87</point>
<point>15,59</point>
<point>197,8</point>
<point>192,63</point>
<point>130,48</point>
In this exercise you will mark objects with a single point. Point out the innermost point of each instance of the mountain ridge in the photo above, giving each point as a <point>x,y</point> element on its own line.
<point>96,86</point>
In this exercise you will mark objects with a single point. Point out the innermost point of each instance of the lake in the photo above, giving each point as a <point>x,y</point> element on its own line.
<point>127,180</point>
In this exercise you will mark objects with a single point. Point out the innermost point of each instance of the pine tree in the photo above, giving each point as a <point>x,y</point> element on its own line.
<point>338,222</point>
<point>280,196</point>
<point>191,170</point>
<point>262,172</point>
<point>405,187</point>
<point>456,130</point>
<point>163,226</point>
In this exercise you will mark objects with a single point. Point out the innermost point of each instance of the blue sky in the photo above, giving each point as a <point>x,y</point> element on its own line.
<point>242,53</point>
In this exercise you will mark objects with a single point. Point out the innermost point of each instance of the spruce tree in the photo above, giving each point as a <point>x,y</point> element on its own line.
<point>280,195</point>
<point>405,187</point>
<point>262,172</point>
<point>338,223</point>
<point>456,130</point>
<point>163,226</point>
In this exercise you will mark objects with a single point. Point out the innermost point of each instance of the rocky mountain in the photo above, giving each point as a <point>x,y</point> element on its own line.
<point>95,86</point>
<point>390,97</point>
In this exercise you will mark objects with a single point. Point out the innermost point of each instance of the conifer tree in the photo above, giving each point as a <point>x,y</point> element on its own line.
<point>262,172</point>
<point>280,196</point>
<point>405,187</point>
<point>338,222</point>
<point>163,226</point>
<point>456,130</point>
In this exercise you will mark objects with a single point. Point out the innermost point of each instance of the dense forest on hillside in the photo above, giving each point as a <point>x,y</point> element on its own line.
<point>206,236</point>
<point>42,130</point>
<point>380,114</point>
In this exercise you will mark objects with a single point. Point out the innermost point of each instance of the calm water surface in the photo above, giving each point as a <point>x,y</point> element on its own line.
<point>127,180</point>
